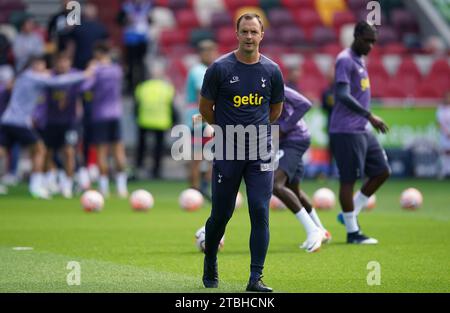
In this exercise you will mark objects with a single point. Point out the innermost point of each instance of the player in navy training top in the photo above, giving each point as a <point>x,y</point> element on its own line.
<point>241,88</point>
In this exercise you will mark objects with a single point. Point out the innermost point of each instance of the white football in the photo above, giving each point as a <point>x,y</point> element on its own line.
<point>411,199</point>
<point>141,200</point>
<point>190,200</point>
<point>324,199</point>
<point>200,240</point>
<point>371,203</point>
<point>92,201</point>
<point>276,204</point>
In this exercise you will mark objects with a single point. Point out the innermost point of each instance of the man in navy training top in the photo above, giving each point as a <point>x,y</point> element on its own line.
<point>354,147</point>
<point>243,88</point>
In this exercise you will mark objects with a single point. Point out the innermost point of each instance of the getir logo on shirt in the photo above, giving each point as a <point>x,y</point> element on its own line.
<point>365,84</point>
<point>251,99</point>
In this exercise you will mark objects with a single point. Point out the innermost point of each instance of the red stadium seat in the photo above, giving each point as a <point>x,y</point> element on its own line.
<point>440,67</point>
<point>309,67</point>
<point>233,5</point>
<point>226,36</point>
<point>332,49</point>
<point>291,36</point>
<point>170,37</point>
<point>342,18</point>
<point>279,17</point>
<point>376,68</point>
<point>429,90</point>
<point>394,90</point>
<point>186,19</point>
<point>394,48</point>
<point>297,4</point>
<point>378,85</point>
<point>323,35</point>
<point>161,3</point>
<point>408,67</point>
<point>221,19</point>
<point>176,5</point>
<point>312,86</point>
<point>307,18</point>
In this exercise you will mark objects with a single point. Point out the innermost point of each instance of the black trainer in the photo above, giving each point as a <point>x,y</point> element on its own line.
<point>210,275</point>
<point>258,286</point>
<point>359,238</point>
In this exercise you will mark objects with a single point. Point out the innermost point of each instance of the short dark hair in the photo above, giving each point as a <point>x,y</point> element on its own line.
<point>363,27</point>
<point>102,47</point>
<point>249,16</point>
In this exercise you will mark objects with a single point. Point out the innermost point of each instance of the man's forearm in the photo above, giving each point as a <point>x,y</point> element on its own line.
<point>207,114</point>
<point>343,95</point>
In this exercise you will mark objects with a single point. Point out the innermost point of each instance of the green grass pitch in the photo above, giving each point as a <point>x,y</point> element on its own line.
<point>124,251</point>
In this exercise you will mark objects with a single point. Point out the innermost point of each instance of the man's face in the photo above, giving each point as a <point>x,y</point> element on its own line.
<point>249,35</point>
<point>63,65</point>
<point>208,55</point>
<point>365,42</point>
<point>39,66</point>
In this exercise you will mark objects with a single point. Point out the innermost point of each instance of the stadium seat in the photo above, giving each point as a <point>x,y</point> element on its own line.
<point>221,19</point>
<point>170,37</point>
<point>291,36</point>
<point>429,90</point>
<point>403,21</point>
<point>176,5</point>
<point>312,86</point>
<point>407,81</point>
<point>186,19</point>
<point>378,85</point>
<point>161,3</point>
<point>327,9</point>
<point>307,18</point>
<point>226,36</point>
<point>357,5</point>
<point>233,5</point>
<point>387,35</point>
<point>297,4</point>
<point>309,67</point>
<point>342,18</point>
<point>162,17</point>
<point>199,34</point>
<point>375,67</point>
<point>323,35</point>
<point>394,48</point>
<point>267,5</point>
<point>440,67</point>
<point>332,49</point>
<point>394,90</point>
<point>280,17</point>
<point>206,8</point>
<point>409,67</point>
<point>271,37</point>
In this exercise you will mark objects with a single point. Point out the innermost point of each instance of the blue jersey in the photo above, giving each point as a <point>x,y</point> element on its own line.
<point>242,93</point>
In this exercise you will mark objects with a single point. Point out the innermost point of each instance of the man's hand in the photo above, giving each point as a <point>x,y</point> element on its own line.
<point>378,124</point>
<point>197,118</point>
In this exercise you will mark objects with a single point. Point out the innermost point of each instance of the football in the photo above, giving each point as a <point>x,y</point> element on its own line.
<point>276,204</point>
<point>411,199</point>
<point>324,199</point>
<point>92,201</point>
<point>141,200</point>
<point>190,200</point>
<point>200,240</point>
<point>371,203</point>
